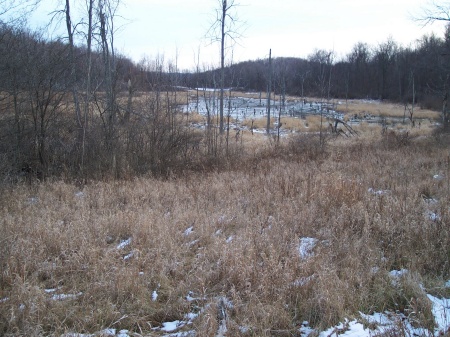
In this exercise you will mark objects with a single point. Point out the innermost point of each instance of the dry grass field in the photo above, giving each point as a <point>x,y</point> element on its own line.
<point>227,247</point>
<point>383,109</point>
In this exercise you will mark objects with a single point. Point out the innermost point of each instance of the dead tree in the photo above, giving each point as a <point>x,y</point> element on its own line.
<point>227,22</point>
<point>269,90</point>
<point>349,129</point>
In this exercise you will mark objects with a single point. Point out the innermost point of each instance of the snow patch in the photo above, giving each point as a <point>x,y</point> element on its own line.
<point>306,247</point>
<point>124,243</point>
<point>171,326</point>
<point>244,329</point>
<point>32,200</point>
<point>182,334</point>
<point>348,328</point>
<point>191,316</point>
<point>305,329</point>
<point>62,297</point>
<point>188,231</point>
<point>128,256</point>
<point>190,297</point>
<point>433,216</point>
<point>378,192</point>
<point>79,194</point>
<point>212,89</point>
<point>194,242</point>
<point>441,313</point>
<point>154,296</point>
<point>396,275</point>
<point>430,200</point>
<point>303,281</point>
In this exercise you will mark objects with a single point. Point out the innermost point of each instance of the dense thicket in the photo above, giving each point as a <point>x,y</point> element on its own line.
<point>75,113</point>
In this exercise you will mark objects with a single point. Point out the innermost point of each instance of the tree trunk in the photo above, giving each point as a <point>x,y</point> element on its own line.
<point>222,63</point>
<point>73,77</point>
<point>269,89</point>
<point>88,85</point>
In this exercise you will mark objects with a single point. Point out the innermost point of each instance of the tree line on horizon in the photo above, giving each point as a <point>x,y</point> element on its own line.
<point>383,72</point>
<point>387,71</point>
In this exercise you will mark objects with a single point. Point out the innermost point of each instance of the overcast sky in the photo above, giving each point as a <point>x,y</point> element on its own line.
<point>288,27</point>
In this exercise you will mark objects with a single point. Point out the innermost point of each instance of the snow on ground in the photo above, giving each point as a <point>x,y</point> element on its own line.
<point>364,326</point>
<point>171,326</point>
<point>441,312</point>
<point>378,192</point>
<point>189,231</point>
<point>103,333</point>
<point>306,247</point>
<point>124,243</point>
<point>154,296</point>
<point>387,321</point>
<point>240,108</point>
<point>396,275</point>
<point>61,297</point>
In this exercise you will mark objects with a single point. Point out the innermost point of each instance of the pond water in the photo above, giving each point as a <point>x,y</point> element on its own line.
<point>241,108</point>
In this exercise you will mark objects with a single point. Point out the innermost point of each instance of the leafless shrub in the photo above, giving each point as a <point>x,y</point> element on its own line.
<point>395,139</point>
<point>308,146</point>
<point>441,136</point>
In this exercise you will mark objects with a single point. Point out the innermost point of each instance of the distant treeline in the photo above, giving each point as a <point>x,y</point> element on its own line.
<point>387,71</point>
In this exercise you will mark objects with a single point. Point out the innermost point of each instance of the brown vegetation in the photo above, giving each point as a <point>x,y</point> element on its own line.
<point>374,205</point>
<point>377,108</point>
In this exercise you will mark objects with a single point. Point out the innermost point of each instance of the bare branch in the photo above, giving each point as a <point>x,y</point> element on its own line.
<point>16,10</point>
<point>233,26</point>
<point>434,12</point>
<point>224,28</point>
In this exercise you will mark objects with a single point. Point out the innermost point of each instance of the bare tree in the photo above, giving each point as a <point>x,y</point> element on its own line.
<point>106,14</point>
<point>73,75</point>
<point>16,10</point>
<point>440,11</point>
<point>226,25</point>
<point>13,82</point>
<point>73,30</point>
<point>322,61</point>
<point>90,5</point>
<point>46,70</point>
<point>434,11</point>
<point>269,90</point>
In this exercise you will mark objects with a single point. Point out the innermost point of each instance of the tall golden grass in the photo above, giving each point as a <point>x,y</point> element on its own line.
<point>374,204</point>
<point>383,109</point>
